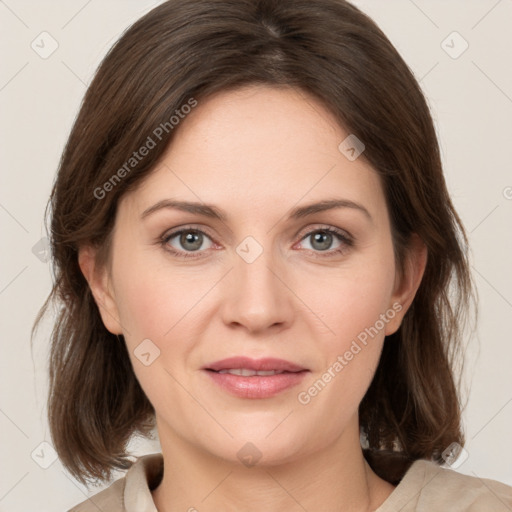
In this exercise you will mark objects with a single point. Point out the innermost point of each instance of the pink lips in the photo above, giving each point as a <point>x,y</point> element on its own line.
<point>255,386</point>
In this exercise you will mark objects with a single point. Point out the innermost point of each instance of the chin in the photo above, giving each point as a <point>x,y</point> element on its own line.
<point>261,446</point>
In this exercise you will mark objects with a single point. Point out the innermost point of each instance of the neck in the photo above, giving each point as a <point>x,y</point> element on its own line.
<point>337,479</point>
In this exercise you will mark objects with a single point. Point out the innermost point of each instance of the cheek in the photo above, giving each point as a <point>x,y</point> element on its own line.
<point>353,299</point>
<point>350,356</point>
<point>147,303</point>
<point>145,310</point>
<point>356,308</point>
<point>161,304</point>
<point>152,308</point>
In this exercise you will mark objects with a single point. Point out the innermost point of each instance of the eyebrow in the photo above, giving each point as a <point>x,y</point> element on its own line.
<point>211,211</point>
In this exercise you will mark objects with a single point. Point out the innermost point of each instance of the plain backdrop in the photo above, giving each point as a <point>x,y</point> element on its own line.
<point>470,94</point>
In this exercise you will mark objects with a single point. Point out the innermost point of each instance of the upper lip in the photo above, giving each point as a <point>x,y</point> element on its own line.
<point>264,364</point>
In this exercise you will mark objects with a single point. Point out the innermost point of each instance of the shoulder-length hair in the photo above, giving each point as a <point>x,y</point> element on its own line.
<point>177,54</point>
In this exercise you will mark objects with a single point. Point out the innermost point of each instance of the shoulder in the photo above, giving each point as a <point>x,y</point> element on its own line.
<point>110,499</point>
<point>466,492</point>
<point>428,486</point>
<point>130,493</point>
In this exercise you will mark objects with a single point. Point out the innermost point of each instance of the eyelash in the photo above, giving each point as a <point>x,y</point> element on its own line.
<point>346,240</point>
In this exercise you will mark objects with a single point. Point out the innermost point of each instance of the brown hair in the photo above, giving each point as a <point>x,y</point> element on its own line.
<point>189,49</point>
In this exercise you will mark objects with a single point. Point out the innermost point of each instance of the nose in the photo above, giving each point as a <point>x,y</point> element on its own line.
<point>257,296</point>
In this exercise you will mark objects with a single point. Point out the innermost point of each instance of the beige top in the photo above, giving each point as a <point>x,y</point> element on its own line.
<point>425,487</point>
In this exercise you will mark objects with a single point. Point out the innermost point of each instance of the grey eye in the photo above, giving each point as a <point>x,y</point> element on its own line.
<point>188,240</point>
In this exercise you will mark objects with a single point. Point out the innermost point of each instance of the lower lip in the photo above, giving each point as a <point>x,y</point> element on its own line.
<point>263,386</point>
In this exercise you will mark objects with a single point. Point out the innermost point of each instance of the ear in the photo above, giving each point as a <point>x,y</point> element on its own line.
<point>408,282</point>
<point>99,283</point>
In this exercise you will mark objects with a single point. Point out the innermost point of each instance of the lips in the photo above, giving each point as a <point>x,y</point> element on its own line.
<point>243,372</point>
<point>256,365</point>
<point>244,377</point>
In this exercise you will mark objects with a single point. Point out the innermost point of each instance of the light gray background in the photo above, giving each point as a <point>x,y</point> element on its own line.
<point>471,101</point>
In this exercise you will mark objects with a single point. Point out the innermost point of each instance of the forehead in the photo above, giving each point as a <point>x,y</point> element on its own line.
<point>258,147</point>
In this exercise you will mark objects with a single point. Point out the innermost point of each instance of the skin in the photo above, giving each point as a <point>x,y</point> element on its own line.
<point>256,153</point>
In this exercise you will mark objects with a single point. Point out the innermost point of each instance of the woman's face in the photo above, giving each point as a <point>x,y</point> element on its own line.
<point>265,281</point>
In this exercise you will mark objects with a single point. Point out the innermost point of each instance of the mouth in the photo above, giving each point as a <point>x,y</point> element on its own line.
<point>242,363</point>
<point>245,372</point>
<point>255,378</point>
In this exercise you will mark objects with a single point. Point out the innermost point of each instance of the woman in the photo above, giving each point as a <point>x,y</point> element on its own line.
<point>253,245</point>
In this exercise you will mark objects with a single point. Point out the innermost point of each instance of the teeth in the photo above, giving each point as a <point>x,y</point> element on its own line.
<point>244,372</point>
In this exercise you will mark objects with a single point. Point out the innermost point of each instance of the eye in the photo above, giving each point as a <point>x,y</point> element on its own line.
<point>186,240</point>
<point>322,240</point>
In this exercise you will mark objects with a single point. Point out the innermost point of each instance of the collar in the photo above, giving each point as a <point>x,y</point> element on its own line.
<point>143,476</point>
